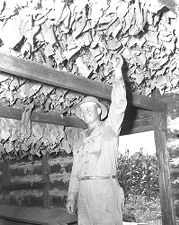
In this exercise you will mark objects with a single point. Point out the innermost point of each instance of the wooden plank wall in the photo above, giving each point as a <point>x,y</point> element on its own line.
<point>43,182</point>
<point>173,147</point>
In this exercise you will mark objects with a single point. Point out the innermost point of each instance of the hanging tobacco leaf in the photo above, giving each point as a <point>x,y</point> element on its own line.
<point>83,37</point>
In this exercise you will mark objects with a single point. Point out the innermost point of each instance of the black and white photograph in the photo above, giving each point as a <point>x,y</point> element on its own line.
<point>89,112</point>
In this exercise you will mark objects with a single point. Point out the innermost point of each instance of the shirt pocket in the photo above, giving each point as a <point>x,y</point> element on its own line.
<point>95,146</point>
<point>108,133</point>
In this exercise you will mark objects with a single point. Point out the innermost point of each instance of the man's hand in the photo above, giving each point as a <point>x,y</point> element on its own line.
<point>117,64</point>
<point>71,206</point>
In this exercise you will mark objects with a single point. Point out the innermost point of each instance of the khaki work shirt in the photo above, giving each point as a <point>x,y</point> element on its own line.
<point>96,155</point>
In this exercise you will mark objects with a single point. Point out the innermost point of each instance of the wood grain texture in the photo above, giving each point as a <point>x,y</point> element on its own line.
<point>33,71</point>
<point>51,118</point>
<point>25,186</point>
<point>167,208</point>
<point>173,147</point>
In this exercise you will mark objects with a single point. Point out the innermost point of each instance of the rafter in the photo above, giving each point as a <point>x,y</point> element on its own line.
<point>34,71</point>
<point>51,118</point>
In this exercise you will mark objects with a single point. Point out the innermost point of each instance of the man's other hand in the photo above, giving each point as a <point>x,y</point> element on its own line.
<point>71,206</point>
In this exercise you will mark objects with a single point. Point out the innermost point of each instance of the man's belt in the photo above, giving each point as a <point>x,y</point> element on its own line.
<point>98,177</point>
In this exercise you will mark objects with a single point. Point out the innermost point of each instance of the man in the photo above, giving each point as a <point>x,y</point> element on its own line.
<point>93,184</point>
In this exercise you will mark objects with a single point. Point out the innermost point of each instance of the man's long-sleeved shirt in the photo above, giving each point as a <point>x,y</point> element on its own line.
<point>96,154</point>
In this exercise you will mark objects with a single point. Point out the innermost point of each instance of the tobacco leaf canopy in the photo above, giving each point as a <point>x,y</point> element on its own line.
<point>82,37</point>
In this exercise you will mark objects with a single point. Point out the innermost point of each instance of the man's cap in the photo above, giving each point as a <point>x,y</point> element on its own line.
<point>86,99</point>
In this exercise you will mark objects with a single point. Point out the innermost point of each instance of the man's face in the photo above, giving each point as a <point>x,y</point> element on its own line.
<point>90,112</point>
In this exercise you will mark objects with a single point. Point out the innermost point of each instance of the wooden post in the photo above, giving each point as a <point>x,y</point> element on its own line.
<point>159,123</point>
<point>172,100</point>
<point>5,179</point>
<point>46,179</point>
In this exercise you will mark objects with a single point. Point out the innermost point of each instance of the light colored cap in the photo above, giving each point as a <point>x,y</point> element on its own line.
<point>86,99</point>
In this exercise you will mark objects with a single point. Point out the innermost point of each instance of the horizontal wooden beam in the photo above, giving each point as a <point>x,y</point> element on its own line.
<point>136,130</point>
<point>14,220</point>
<point>129,127</point>
<point>37,72</point>
<point>51,118</point>
<point>147,103</point>
<point>36,215</point>
<point>137,126</point>
<point>25,186</point>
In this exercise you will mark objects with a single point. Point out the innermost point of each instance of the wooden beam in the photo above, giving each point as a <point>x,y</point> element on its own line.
<point>25,186</point>
<point>146,103</point>
<point>52,118</point>
<point>34,71</point>
<point>36,215</point>
<point>167,208</point>
<point>137,126</point>
<point>136,130</point>
<point>13,220</point>
<point>129,127</point>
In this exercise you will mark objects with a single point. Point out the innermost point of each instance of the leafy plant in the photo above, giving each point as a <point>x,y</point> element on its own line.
<point>142,210</point>
<point>138,174</point>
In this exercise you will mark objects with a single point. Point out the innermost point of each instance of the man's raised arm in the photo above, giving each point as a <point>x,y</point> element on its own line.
<point>118,98</point>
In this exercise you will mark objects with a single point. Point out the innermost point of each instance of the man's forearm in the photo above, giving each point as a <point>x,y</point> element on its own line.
<point>118,95</point>
<point>118,100</point>
<point>73,188</point>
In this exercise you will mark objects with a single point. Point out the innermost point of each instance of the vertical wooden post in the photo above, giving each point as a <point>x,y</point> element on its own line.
<point>159,123</point>
<point>5,179</point>
<point>172,100</point>
<point>46,179</point>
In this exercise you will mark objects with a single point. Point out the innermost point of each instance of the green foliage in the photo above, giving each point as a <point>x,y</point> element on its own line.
<point>138,174</point>
<point>142,210</point>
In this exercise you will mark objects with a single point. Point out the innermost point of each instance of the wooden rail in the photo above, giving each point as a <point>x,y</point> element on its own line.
<point>52,118</point>
<point>36,215</point>
<point>25,186</point>
<point>14,221</point>
<point>129,127</point>
<point>137,126</point>
<point>37,72</point>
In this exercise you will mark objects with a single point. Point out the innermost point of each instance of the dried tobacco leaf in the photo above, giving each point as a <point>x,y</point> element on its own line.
<point>47,33</point>
<point>80,5</point>
<point>10,33</point>
<point>3,77</point>
<point>83,69</point>
<point>82,37</point>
